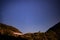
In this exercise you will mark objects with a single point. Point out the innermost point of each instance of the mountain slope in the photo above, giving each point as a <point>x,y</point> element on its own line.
<point>7,33</point>
<point>10,33</point>
<point>55,30</point>
<point>52,33</point>
<point>10,30</point>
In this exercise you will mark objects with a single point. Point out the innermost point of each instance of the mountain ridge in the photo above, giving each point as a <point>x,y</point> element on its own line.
<point>52,33</point>
<point>10,30</point>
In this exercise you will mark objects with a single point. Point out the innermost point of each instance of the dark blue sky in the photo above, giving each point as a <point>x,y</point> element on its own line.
<point>30,15</point>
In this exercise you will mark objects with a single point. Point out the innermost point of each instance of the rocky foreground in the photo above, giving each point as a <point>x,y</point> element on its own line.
<point>10,33</point>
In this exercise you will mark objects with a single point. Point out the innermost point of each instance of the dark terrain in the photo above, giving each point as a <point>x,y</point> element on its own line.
<point>52,33</point>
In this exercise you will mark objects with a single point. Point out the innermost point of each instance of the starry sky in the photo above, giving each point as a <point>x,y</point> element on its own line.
<point>30,15</point>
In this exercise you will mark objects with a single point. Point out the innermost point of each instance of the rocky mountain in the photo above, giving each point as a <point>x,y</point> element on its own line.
<point>9,33</point>
<point>9,30</point>
<point>55,29</point>
<point>52,33</point>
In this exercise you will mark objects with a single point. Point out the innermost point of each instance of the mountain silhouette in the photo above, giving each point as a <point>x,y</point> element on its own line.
<point>55,29</point>
<point>11,33</point>
<point>52,33</point>
<point>10,30</point>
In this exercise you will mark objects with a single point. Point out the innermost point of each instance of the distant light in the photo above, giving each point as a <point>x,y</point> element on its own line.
<point>17,33</point>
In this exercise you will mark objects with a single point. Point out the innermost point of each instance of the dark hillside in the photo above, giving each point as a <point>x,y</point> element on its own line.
<point>6,33</point>
<point>9,30</point>
<point>55,29</point>
<point>4,26</point>
<point>7,37</point>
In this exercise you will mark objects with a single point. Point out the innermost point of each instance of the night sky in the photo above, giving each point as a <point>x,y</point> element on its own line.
<point>30,15</point>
